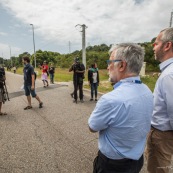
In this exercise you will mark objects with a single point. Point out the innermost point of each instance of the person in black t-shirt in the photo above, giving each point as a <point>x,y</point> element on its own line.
<point>29,83</point>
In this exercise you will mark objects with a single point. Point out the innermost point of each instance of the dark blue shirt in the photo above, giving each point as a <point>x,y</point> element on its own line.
<point>28,72</point>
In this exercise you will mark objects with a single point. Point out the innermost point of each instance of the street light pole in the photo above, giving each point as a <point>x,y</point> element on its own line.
<point>11,57</point>
<point>33,44</point>
<point>171,19</point>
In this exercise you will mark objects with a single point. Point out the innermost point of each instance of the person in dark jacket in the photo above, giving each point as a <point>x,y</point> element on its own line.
<point>93,80</point>
<point>78,76</point>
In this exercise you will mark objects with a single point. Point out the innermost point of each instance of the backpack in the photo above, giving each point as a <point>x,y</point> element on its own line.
<point>35,74</point>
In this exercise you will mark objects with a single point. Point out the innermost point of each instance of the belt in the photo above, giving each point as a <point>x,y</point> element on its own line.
<point>113,160</point>
<point>160,130</point>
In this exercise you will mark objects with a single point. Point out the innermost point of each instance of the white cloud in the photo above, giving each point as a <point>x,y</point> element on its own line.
<point>7,50</point>
<point>108,21</point>
<point>3,33</point>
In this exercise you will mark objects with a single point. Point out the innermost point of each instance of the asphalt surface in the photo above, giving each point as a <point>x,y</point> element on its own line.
<point>53,139</point>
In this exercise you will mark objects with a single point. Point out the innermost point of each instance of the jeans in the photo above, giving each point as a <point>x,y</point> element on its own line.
<point>51,78</point>
<point>94,87</point>
<point>102,164</point>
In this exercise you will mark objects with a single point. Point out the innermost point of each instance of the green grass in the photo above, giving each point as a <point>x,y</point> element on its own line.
<point>63,75</point>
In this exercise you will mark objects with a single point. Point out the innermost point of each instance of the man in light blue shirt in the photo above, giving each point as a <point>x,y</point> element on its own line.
<point>160,140</point>
<point>122,117</point>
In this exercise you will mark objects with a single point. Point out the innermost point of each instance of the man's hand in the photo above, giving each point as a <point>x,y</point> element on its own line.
<point>32,87</point>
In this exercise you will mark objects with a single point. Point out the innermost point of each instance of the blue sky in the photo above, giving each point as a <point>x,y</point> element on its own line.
<point>108,21</point>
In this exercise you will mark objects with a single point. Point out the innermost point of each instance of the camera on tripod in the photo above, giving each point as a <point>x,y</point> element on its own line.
<point>3,87</point>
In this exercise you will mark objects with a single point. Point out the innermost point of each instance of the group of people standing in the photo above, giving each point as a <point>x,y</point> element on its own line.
<point>78,69</point>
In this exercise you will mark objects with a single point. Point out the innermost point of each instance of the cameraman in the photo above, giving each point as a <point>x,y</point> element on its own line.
<point>78,76</point>
<point>2,98</point>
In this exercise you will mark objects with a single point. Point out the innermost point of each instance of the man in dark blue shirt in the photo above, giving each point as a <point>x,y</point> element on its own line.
<point>29,83</point>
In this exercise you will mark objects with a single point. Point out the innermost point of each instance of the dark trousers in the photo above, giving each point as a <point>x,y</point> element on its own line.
<point>78,85</point>
<point>51,77</point>
<point>94,87</point>
<point>102,164</point>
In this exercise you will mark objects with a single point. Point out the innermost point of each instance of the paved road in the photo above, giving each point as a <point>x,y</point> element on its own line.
<point>54,139</point>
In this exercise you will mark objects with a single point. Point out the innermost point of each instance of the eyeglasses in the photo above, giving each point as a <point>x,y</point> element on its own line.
<point>110,61</point>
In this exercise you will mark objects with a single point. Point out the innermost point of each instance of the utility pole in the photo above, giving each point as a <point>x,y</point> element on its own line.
<point>171,19</point>
<point>10,57</point>
<point>83,43</point>
<point>69,47</point>
<point>33,44</point>
<point>2,58</point>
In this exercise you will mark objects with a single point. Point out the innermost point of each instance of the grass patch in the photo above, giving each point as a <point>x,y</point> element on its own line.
<point>63,75</point>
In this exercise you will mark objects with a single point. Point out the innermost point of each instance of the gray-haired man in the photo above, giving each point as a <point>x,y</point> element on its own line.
<point>122,117</point>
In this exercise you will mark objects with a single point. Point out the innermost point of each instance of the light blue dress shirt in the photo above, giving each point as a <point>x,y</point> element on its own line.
<point>123,119</point>
<point>162,118</point>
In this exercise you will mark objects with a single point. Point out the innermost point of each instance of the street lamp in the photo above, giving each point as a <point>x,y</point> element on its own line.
<point>171,19</point>
<point>33,44</point>
<point>11,57</point>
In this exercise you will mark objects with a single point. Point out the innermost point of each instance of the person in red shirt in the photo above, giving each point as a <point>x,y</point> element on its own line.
<point>45,73</point>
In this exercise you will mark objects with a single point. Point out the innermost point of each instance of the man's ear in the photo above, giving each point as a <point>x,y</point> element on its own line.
<point>123,65</point>
<point>168,46</point>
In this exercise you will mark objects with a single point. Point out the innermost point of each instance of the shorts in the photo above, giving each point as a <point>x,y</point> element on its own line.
<point>44,76</point>
<point>28,91</point>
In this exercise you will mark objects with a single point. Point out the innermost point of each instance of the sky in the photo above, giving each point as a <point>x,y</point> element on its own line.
<point>54,21</point>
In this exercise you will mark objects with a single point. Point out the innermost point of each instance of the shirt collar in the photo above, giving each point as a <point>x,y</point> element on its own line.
<point>134,79</point>
<point>166,63</point>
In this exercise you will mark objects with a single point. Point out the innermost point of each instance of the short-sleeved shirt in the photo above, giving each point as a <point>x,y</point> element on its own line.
<point>123,119</point>
<point>45,68</point>
<point>28,72</point>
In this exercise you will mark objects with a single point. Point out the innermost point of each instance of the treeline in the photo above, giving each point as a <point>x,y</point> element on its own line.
<point>94,54</point>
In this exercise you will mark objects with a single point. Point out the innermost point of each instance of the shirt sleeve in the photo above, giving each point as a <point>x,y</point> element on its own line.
<point>82,67</point>
<point>32,70</point>
<point>167,90</point>
<point>103,115</point>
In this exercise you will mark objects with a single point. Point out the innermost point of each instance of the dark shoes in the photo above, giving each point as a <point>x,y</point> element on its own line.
<point>91,99</point>
<point>28,107</point>
<point>96,100</point>
<point>40,104</point>
<point>75,101</point>
<point>71,95</point>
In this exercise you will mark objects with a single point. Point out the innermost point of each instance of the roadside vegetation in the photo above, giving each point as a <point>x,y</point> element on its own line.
<point>94,54</point>
<point>63,75</point>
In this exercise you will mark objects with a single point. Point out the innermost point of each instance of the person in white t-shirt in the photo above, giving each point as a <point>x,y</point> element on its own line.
<point>93,80</point>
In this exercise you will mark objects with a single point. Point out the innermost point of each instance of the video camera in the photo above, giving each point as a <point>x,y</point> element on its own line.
<point>2,73</point>
<point>3,86</point>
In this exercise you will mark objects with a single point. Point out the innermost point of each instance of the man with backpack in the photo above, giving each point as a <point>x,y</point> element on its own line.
<point>29,83</point>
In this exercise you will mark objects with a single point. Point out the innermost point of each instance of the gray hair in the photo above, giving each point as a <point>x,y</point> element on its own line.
<point>132,53</point>
<point>167,35</point>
